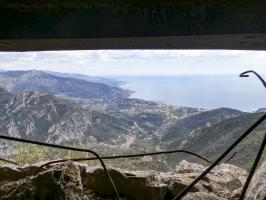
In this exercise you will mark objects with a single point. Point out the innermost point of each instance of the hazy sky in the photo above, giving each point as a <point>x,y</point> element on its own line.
<point>137,62</point>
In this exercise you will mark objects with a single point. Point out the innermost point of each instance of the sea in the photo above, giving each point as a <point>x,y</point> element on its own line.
<point>208,91</point>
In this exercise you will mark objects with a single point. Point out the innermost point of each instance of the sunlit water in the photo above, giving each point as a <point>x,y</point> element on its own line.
<point>210,92</point>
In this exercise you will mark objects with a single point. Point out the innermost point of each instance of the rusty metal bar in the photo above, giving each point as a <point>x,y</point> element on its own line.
<point>128,156</point>
<point>67,148</point>
<point>186,190</point>
<point>245,74</point>
<point>227,151</point>
<point>253,168</point>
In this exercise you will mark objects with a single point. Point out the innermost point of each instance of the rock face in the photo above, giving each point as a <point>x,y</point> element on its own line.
<point>28,114</point>
<point>59,182</point>
<point>223,182</point>
<point>71,180</point>
<point>134,185</point>
<point>257,187</point>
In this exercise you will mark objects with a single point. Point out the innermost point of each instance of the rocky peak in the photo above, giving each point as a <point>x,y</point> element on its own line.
<point>44,117</point>
<point>27,97</point>
<point>32,101</point>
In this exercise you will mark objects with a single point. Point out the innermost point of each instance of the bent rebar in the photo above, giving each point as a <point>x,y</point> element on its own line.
<point>262,146</point>
<point>67,148</point>
<point>245,74</point>
<point>186,190</point>
<point>254,167</point>
<point>217,161</point>
<point>129,156</point>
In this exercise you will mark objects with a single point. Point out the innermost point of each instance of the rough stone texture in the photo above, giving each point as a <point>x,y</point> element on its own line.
<point>257,187</point>
<point>59,182</point>
<point>10,173</point>
<point>202,196</point>
<point>137,185</point>
<point>224,181</point>
<point>79,182</point>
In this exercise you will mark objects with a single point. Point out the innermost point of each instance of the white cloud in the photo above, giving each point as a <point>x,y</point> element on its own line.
<point>137,62</point>
<point>28,56</point>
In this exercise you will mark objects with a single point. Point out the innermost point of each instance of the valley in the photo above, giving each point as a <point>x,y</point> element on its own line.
<point>102,116</point>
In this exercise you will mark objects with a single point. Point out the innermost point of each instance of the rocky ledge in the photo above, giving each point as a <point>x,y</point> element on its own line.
<point>74,181</point>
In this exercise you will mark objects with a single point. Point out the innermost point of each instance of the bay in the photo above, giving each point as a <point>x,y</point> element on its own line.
<point>246,94</point>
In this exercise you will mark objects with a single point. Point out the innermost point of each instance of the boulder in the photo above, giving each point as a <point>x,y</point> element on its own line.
<point>223,181</point>
<point>202,196</point>
<point>257,187</point>
<point>60,182</point>
<point>76,181</point>
<point>9,172</point>
<point>135,186</point>
<point>177,185</point>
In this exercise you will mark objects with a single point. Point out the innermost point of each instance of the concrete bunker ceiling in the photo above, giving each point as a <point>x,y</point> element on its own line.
<point>31,25</point>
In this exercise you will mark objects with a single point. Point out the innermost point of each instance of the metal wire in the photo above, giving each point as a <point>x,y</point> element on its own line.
<point>244,135</point>
<point>8,161</point>
<point>186,190</point>
<point>216,162</point>
<point>145,154</point>
<point>128,156</point>
<point>98,157</point>
<point>67,148</point>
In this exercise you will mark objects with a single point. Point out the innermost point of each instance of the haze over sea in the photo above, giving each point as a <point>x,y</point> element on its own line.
<point>246,94</point>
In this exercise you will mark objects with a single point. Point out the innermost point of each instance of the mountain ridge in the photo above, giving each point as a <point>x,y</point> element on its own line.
<point>181,128</point>
<point>96,79</point>
<point>44,117</point>
<point>32,80</point>
<point>50,113</point>
<point>213,141</point>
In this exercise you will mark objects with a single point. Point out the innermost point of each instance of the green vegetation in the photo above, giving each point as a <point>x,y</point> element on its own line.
<point>209,141</point>
<point>177,132</point>
<point>29,154</point>
<point>212,141</point>
<point>114,126</point>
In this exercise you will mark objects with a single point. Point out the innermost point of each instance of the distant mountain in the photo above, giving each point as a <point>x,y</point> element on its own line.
<point>95,79</point>
<point>31,106</point>
<point>261,110</point>
<point>124,123</point>
<point>150,116</point>
<point>174,135</point>
<point>214,140</point>
<point>20,81</point>
<point>132,124</point>
<point>4,96</point>
<point>44,117</point>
